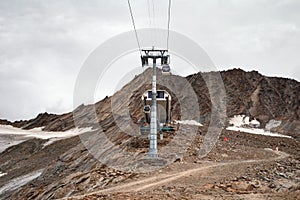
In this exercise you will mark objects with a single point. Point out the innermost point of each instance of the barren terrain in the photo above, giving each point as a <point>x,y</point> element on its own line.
<point>257,157</point>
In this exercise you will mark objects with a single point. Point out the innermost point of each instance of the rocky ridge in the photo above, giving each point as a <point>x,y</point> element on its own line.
<point>72,170</point>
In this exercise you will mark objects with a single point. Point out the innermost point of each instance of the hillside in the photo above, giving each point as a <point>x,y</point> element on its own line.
<point>247,93</point>
<point>70,167</point>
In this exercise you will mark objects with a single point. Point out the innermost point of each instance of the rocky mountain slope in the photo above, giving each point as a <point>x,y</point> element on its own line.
<point>257,96</point>
<point>67,168</point>
<point>248,93</point>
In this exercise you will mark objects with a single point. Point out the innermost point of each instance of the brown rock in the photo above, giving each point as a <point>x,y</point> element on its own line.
<point>240,186</point>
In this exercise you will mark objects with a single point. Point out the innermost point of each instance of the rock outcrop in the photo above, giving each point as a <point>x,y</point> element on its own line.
<point>71,168</point>
<point>247,93</point>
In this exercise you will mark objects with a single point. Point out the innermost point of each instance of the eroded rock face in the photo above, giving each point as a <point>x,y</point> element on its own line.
<point>30,156</point>
<point>41,120</point>
<point>255,95</point>
<point>5,122</point>
<point>248,93</point>
<point>73,170</point>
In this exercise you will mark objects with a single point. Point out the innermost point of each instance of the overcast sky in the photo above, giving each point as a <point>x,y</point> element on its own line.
<point>43,43</point>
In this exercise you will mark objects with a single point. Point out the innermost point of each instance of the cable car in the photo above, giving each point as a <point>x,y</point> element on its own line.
<point>147,109</point>
<point>166,69</point>
<point>144,61</point>
<point>165,60</point>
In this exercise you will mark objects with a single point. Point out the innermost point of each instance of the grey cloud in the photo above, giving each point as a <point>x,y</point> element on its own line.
<point>44,43</point>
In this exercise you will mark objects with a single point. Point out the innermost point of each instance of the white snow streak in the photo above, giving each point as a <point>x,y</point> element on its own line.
<point>256,131</point>
<point>38,133</point>
<point>2,174</point>
<point>20,181</point>
<point>189,122</point>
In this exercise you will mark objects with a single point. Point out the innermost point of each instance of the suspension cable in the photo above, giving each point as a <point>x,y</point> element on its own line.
<point>169,19</point>
<point>153,22</point>
<point>133,23</point>
<point>150,20</point>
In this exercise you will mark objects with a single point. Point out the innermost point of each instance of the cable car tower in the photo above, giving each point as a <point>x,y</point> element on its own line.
<point>154,55</point>
<point>162,55</point>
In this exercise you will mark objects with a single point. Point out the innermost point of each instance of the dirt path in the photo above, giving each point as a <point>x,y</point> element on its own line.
<point>162,179</point>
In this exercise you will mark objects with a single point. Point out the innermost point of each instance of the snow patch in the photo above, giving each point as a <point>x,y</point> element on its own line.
<point>256,131</point>
<point>242,123</point>
<point>242,120</point>
<point>7,142</point>
<point>189,122</point>
<point>50,141</point>
<point>272,124</point>
<point>20,181</point>
<point>38,133</point>
<point>2,174</point>
<point>7,130</point>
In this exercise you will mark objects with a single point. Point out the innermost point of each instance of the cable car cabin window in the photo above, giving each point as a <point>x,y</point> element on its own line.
<point>150,94</point>
<point>159,95</point>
